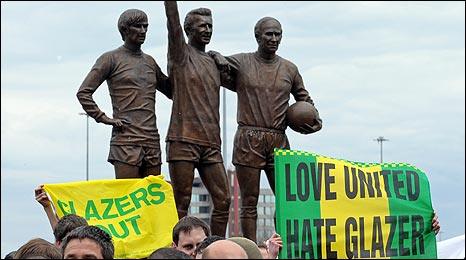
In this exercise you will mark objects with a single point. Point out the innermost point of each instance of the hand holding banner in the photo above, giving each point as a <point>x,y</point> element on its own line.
<point>139,214</point>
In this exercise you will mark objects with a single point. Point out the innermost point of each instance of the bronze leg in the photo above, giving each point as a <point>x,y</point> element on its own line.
<point>153,170</point>
<point>182,176</point>
<point>270,173</point>
<point>249,184</point>
<point>125,171</point>
<point>215,179</point>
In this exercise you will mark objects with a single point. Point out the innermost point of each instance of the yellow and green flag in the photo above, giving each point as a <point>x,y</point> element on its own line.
<point>332,208</point>
<point>139,214</point>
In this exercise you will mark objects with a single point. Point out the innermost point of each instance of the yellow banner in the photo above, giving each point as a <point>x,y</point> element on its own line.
<point>139,214</point>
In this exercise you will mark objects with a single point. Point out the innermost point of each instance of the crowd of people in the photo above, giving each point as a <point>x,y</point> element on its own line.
<point>191,236</point>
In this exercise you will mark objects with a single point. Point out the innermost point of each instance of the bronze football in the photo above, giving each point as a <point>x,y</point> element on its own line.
<point>300,115</point>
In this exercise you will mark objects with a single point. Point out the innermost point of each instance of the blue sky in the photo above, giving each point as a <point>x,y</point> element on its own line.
<point>392,69</point>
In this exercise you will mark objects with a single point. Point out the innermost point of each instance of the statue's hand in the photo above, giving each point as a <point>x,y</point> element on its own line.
<point>317,125</point>
<point>118,123</point>
<point>309,129</point>
<point>220,61</point>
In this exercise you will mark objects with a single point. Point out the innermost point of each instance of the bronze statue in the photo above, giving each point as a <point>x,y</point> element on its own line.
<point>132,78</point>
<point>263,82</point>
<point>193,139</point>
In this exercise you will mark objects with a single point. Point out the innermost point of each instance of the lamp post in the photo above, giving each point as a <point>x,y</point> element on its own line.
<point>224,141</point>
<point>87,144</point>
<point>380,140</point>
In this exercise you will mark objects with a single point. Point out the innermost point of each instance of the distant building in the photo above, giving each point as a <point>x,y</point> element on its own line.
<point>201,207</point>
<point>265,214</point>
<point>201,204</point>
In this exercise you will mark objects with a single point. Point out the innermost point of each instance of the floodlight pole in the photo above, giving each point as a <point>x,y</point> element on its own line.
<point>87,144</point>
<point>224,128</point>
<point>224,141</point>
<point>380,140</point>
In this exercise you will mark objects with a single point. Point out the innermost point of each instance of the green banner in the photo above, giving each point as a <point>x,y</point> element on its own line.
<point>332,208</point>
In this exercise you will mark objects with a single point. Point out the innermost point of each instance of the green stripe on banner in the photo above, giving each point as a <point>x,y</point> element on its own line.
<point>411,208</point>
<point>294,177</point>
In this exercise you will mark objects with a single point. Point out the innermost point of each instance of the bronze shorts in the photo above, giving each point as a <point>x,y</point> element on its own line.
<point>253,146</point>
<point>135,155</point>
<point>184,151</point>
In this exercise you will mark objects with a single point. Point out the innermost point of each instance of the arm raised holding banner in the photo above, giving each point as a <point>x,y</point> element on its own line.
<point>43,199</point>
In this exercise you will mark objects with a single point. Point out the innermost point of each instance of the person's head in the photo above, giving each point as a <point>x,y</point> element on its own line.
<point>224,249</point>
<point>10,255</point>
<point>249,246</point>
<point>205,243</point>
<point>132,25</point>
<point>168,253</point>
<point>263,249</point>
<point>38,248</point>
<point>188,233</point>
<point>65,225</point>
<point>198,26</point>
<point>87,242</point>
<point>268,33</point>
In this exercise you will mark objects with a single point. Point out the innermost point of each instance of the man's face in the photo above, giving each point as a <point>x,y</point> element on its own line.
<point>201,29</point>
<point>136,33</point>
<point>269,37</point>
<point>188,242</point>
<point>82,249</point>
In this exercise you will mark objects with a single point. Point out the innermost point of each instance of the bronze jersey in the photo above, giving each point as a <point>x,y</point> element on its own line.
<point>132,79</point>
<point>263,89</point>
<point>195,82</point>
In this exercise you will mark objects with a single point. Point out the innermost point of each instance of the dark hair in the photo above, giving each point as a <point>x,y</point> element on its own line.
<point>257,27</point>
<point>66,224</point>
<point>102,238</point>
<point>186,224</point>
<point>206,242</point>
<point>38,248</point>
<point>128,18</point>
<point>10,255</point>
<point>168,253</point>
<point>189,19</point>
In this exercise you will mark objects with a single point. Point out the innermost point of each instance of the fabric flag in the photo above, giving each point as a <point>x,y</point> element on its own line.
<point>139,214</point>
<point>332,208</point>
